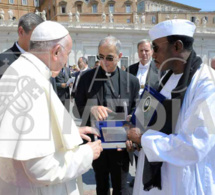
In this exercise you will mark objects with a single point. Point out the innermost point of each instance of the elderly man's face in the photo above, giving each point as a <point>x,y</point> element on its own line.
<point>162,53</point>
<point>108,57</point>
<point>81,64</point>
<point>145,52</point>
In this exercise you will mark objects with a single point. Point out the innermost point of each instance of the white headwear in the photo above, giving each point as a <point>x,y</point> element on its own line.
<point>172,27</point>
<point>48,31</point>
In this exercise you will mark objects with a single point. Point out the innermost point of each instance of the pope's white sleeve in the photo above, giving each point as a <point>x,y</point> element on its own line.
<point>60,166</point>
<point>196,132</point>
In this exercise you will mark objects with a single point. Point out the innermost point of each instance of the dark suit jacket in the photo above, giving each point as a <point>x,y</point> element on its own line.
<point>8,57</point>
<point>63,93</point>
<point>92,89</point>
<point>74,89</point>
<point>152,78</point>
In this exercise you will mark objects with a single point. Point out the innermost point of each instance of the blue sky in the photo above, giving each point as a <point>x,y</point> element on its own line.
<point>205,5</point>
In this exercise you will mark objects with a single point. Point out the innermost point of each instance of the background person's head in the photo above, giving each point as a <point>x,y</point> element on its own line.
<point>26,25</point>
<point>109,53</point>
<point>213,63</point>
<point>51,46</point>
<point>97,63</point>
<point>145,51</point>
<point>172,39</point>
<point>82,63</point>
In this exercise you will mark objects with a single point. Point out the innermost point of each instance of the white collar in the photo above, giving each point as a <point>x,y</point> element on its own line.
<point>20,49</point>
<point>41,67</point>
<point>146,66</point>
<point>84,69</point>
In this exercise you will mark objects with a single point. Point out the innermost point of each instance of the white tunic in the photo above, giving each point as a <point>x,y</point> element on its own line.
<point>39,141</point>
<point>188,156</point>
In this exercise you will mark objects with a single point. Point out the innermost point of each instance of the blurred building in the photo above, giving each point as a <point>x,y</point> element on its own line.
<point>16,8</point>
<point>88,21</point>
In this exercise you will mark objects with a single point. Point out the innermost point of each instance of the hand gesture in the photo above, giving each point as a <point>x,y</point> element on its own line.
<point>100,112</point>
<point>87,130</point>
<point>134,134</point>
<point>96,147</point>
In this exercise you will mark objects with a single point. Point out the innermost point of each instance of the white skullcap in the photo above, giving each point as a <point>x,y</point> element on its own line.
<point>48,31</point>
<point>172,27</point>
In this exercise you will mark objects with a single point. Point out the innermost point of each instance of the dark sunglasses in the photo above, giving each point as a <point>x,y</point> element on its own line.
<point>108,58</point>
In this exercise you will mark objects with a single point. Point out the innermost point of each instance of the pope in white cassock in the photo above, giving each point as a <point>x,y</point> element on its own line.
<point>40,150</point>
<point>179,159</point>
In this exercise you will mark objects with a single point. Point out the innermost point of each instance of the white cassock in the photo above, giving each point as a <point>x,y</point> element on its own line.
<point>39,141</point>
<point>188,156</point>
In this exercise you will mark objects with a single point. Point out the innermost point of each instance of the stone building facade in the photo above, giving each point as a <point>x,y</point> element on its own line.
<point>130,22</point>
<point>14,9</point>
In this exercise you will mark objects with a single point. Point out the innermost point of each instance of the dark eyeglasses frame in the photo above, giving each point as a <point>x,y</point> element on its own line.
<point>108,58</point>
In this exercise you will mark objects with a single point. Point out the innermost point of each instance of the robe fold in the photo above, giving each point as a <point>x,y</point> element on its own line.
<point>39,141</point>
<point>188,154</point>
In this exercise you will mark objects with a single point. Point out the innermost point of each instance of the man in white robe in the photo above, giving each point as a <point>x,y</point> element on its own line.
<point>40,150</point>
<point>187,154</point>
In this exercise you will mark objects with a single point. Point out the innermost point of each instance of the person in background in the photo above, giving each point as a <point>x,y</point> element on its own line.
<point>97,64</point>
<point>213,63</point>
<point>26,25</point>
<point>145,70</point>
<point>123,68</point>
<point>64,83</point>
<point>83,66</point>
<point>40,151</point>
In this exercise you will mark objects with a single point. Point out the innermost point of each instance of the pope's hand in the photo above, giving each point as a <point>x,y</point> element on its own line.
<point>134,135</point>
<point>87,130</point>
<point>100,112</point>
<point>96,147</point>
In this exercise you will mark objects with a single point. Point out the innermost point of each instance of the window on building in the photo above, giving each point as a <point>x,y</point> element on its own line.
<point>128,8</point>
<point>214,20</point>
<point>153,19</point>
<point>11,1</point>
<point>193,19</point>
<point>124,62</point>
<point>140,7</point>
<point>36,3</point>
<point>24,2</point>
<point>63,9</point>
<point>111,8</point>
<point>54,12</point>
<point>94,8</point>
<point>49,11</point>
<point>128,20</point>
<point>87,1</point>
<point>163,8</point>
<point>79,8</point>
<point>91,61</point>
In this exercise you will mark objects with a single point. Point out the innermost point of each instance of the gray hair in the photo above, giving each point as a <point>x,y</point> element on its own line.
<point>111,41</point>
<point>84,60</point>
<point>144,41</point>
<point>29,21</point>
<point>47,45</point>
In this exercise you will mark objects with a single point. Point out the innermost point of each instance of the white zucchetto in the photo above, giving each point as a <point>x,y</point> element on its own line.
<point>48,31</point>
<point>172,27</point>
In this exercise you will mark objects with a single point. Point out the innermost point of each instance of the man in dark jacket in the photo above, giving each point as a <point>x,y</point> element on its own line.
<point>100,92</point>
<point>26,25</point>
